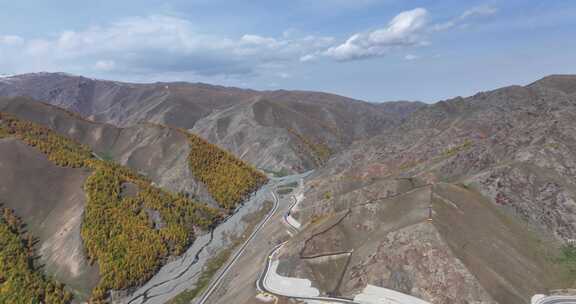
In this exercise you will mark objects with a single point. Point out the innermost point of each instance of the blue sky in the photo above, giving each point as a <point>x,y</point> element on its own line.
<point>376,50</point>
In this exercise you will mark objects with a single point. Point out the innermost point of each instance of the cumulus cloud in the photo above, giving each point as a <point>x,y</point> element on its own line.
<point>11,40</point>
<point>105,65</point>
<point>403,30</point>
<point>477,11</point>
<point>341,5</point>
<point>410,57</point>
<point>156,44</point>
<point>284,75</point>
<point>407,29</point>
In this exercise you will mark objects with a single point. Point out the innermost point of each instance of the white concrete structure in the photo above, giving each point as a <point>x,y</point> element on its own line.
<point>543,299</point>
<point>378,295</point>
<point>293,222</point>
<point>537,298</point>
<point>294,287</point>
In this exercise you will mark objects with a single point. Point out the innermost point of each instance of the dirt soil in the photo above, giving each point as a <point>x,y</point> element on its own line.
<point>50,200</point>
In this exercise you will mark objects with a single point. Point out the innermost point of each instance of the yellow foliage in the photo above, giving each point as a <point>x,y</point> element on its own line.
<point>117,231</point>
<point>228,179</point>
<point>319,151</point>
<point>20,282</point>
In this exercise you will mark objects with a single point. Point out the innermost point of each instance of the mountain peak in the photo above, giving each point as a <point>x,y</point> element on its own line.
<point>565,83</point>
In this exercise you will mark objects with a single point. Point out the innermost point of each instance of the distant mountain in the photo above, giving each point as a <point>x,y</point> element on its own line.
<point>276,130</point>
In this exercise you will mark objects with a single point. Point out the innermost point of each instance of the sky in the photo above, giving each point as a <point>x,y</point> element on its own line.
<point>375,50</point>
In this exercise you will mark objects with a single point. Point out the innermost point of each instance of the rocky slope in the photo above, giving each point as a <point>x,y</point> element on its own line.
<point>466,200</point>
<point>514,144</point>
<point>499,170</point>
<point>276,130</point>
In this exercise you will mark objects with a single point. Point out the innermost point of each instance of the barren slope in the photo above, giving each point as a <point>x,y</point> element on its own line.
<point>51,201</point>
<point>501,169</point>
<point>277,130</point>
<point>157,152</point>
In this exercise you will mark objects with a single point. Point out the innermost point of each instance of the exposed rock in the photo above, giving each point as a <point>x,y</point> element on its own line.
<point>222,114</point>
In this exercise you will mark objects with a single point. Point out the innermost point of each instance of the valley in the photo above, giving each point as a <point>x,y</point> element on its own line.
<point>289,196</point>
<point>288,152</point>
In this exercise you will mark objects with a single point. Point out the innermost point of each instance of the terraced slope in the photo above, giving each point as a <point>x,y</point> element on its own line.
<point>498,218</point>
<point>442,243</point>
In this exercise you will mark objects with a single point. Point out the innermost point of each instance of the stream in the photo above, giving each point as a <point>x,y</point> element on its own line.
<point>181,273</point>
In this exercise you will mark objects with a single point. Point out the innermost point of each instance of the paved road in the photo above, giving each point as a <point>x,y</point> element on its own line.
<point>288,214</point>
<point>554,300</point>
<point>262,279</point>
<point>231,262</point>
<point>261,284</point>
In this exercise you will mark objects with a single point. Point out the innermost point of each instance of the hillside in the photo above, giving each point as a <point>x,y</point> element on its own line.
<point>168,156</point>
<point>466,200</point>
<point>87,210</point>
<point>116,222</point>
<point>21,282</point>
<point>280,131</point>
<point>469,199</point>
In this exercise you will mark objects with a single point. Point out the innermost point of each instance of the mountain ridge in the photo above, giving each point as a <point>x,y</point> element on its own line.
<point>331,120</point>
<point>412,193</point>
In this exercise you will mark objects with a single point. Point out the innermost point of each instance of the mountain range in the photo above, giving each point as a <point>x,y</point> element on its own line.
<point>467,200</point>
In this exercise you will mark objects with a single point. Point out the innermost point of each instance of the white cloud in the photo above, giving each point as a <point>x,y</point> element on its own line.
<point>410,57</point>
<point>105,65</point>
<point>308,57</point>
<point>260,41</point>
<point>404,30</point>
<point>477,11</point>
<point>338,5</point>
<point>407,29</point>
<point>284,75</point>
<point>139,47</point>
<point>157,44</point>
<point>11,40</point>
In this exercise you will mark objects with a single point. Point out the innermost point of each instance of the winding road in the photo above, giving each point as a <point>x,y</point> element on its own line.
<point>541,299</point>
<point>261,284</point>
<point>238,253</point>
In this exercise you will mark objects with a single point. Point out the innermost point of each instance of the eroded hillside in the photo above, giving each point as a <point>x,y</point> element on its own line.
<point>468,199</point>
<point>128,226</point>
<point>280,131</point>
